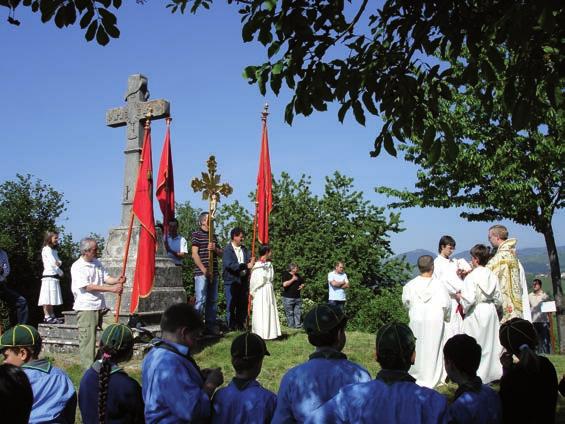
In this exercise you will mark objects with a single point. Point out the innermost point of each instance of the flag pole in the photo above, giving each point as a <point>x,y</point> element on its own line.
<point>264,115</point>
<point>128,239</point>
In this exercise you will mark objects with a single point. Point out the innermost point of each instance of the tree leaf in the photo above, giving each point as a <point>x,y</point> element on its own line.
<point>389,144</point>
<point>86,18</point>
<point>343,110</point>
<point>358,112</point>
<point>91,31</point>
<point>112,31</point>
<point>368,102</point>
<point>273,49</point>
<point>101,36</point>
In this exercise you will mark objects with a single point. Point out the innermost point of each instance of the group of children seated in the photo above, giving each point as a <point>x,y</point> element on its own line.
<point>328,388</point>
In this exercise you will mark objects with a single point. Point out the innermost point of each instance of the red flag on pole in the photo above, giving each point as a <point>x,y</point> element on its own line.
<point>143,210</point>
<point>165,181</point>
<point>264,186</point>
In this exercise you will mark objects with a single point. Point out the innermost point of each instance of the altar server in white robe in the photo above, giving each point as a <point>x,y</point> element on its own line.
<point>428,308</point>
<point>480,298</point>
<point>448,270</point>
<point>265,319</point>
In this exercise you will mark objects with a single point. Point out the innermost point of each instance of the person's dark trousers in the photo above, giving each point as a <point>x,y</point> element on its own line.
<point>339,303</point>
<point>292,308</point>
<point>542,328</point>
<point>236,305</point>
<point>15,300</point>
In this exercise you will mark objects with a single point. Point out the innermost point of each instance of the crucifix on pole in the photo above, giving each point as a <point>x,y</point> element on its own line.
<point>211,189</point>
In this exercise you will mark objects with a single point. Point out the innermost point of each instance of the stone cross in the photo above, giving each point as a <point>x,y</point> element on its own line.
<point>133,115</point>
<point>211,189</point>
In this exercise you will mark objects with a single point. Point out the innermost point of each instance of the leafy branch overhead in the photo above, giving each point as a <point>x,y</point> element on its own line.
<point>395,62</point>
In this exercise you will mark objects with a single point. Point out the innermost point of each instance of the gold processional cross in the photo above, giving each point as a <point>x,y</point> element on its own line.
<point>211,189</point>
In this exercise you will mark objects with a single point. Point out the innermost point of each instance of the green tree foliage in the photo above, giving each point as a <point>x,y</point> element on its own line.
<point>382,60</point>
<point>28,208</point>
<point>498,171</point>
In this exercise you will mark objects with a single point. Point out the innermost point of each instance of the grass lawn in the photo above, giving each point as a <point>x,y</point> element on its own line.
<point>285,354</point>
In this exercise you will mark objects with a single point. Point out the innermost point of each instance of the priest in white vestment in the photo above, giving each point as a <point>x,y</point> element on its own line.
<point>429,308</point>
<point>265,317</point>
<point>480,298</point>
<point>447,270</point>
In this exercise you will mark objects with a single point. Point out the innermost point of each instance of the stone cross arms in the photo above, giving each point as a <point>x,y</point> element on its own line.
<point>133,115</point>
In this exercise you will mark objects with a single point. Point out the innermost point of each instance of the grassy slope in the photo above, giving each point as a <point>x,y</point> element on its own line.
<point>284,355</point>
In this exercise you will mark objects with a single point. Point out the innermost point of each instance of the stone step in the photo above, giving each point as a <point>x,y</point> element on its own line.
<point>54,346</point>
<point>149,318</point>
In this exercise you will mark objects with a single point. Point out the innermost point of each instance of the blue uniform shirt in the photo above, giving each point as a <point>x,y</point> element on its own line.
<point>307,386</point>
<point>402,401</point>
<point>172,386</point>
<point>243,401</point>
<point>480,407</point>
<point>124,404</point>
<point>54,396</point>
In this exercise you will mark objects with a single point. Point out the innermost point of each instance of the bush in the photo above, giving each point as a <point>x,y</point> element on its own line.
<point>374,311</point>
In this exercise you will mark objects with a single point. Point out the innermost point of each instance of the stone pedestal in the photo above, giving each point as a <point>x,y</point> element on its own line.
<point>167,288</point>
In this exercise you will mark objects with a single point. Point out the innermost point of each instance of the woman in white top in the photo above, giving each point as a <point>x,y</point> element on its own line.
<point>265,319</point>
<point>50,293</point>
<point>480,298</point>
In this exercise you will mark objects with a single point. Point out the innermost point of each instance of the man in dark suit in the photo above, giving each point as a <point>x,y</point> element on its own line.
<point>236,264</point>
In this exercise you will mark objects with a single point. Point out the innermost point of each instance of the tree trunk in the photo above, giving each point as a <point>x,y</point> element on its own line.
<point>556,283</point>
<point>553,261</point>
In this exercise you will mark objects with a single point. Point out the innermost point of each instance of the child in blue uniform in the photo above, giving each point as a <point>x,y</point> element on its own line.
<point>394,396</point>
<point>474,401</point>
<point>54,396</point>
<point>107,394</point>
<point>175,390</point>
<point>244,400</point>
<point>307,386</point>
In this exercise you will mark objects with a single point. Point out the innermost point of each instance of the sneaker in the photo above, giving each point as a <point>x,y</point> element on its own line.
<point>51,320</point>
<point>60,320</point>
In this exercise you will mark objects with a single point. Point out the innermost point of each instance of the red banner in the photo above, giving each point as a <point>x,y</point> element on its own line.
<point>264,188</point>
<point>143,210</point>
<point>165,182</point>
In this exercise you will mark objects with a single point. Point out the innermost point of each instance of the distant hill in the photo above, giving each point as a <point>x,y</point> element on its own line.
<point>534,259</point>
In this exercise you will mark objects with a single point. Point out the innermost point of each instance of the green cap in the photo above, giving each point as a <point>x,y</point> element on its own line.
<point>395,339</point>
<point>117,336</point>
<point>20,335</point>
<point>323,318</point>
<point>249,345</point>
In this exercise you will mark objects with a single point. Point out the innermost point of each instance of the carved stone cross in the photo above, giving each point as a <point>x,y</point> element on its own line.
<point>211,189</point>
<point>133,115</point>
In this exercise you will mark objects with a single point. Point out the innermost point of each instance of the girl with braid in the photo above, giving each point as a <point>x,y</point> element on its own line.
<point>525,376</point>
<point>107,395</point>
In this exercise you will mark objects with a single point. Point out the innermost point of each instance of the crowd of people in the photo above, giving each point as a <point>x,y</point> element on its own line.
<point>327,388</point>
<point>469,323</point>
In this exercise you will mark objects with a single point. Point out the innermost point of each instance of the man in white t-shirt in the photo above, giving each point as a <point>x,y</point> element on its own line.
<point>337,283</point>
<point>176,245</point>
<point>89,283</point>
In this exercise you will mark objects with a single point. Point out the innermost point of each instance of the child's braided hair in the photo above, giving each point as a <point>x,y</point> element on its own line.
<point>116,345</point>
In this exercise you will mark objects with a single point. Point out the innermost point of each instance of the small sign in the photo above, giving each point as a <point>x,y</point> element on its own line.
<point>548,306</point>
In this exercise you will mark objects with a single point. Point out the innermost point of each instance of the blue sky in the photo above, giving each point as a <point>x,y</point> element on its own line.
<point>57,87</point>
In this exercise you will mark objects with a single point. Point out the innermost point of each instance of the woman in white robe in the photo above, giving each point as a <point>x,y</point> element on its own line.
<point>265,317</point>
<point>429,307</point>
<point>480,298</point>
